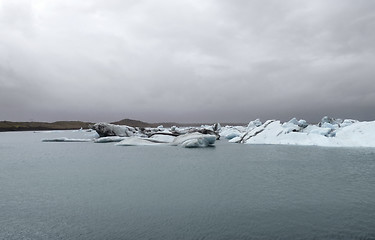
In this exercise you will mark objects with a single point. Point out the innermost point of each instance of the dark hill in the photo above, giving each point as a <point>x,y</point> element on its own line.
<point>133,123</point>
<point>6,126</point>
<point>137,123</point>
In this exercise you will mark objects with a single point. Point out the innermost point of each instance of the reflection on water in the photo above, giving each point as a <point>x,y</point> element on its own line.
<point>101,191</point>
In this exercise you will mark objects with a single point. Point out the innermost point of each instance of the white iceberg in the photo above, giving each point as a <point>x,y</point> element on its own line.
<point>137,141</point>
<point>254,124</point>
<point>329,132</point>
<point>251,132</point>
<point>229,132</point>
<point>163,138</point>
<point>275,133</point>
<point>358,134</point>
<point>195,143</point>
<point>192,140</point>
<point>348,122</point>
<point>312,129</point>
<point>189,140</point>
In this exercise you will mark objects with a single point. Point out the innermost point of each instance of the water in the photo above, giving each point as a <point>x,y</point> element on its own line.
<point>101,191</point>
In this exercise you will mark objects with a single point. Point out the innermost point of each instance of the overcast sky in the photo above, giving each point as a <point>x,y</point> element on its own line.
<point>186,60</point>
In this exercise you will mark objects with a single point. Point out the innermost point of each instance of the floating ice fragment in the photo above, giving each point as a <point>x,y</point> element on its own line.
<point>107,129</point>
<point>64,139</point>
<point>136,141</point>
<point>194,140</point>
<point>109,139</point>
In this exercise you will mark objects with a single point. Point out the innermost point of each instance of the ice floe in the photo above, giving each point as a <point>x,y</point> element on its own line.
<point>64,139</point>
<point>188,140</point>
<point>329,132</point>
<point>109,139</point>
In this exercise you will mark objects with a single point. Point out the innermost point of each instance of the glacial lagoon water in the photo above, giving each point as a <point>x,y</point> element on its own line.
<point>231,191</point>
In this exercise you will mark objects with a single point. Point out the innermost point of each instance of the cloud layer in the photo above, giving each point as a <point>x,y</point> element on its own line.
<point>186,60</point>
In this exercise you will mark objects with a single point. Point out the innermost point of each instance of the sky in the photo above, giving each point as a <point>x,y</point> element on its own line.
<point>186,60</point>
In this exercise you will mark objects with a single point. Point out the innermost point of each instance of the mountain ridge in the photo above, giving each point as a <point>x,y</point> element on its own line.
<point>8,126</point>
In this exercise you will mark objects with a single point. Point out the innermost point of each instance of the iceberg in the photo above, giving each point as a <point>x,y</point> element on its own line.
<point>328,132</point>
<point>195,143</point>
<point>357,134</point>
<point>109,139</point>
<point>348,122</point>
<point>163,138</point>
<point>64,139</point>
<point>137,141</point>
<point>107,129</point>
<point>229,132</point>
<point>254,124</point>
<point>128,136</point>
<point>189,140</point>
<point>194,140</point>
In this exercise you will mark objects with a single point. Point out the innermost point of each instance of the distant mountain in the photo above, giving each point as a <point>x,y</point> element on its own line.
<point>133,123</point>
<point>6,126</point>
<point>137,123</point>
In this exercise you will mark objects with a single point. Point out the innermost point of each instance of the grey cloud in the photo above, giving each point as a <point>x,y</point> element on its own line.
<point>186,61</point>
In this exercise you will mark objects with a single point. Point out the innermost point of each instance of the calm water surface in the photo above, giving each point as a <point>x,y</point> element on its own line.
<point>101,191</point>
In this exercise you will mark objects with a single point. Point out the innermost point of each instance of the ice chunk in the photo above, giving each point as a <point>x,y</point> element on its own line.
<point>302,123</point>
<point>107,129</point>
<point>109,139</point>
<point>194,140</point>
<point>329,125</point>
<point>255,131</point>
<point>329,133</point>
<point>291,127</point>
<point>358,134</point>
<point>217,127</point>
<point>254,124</point>
<point>235,140</point>
<point>312,129</point>
<point>348,122</point>
<point>332,121</point>
<point>136,141</point>
<point>64,139</point>
<point>229,132</point>
<point>163,138</point>
<point>293,121</point>
<point>265,133</point>
<point>195,143</point>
